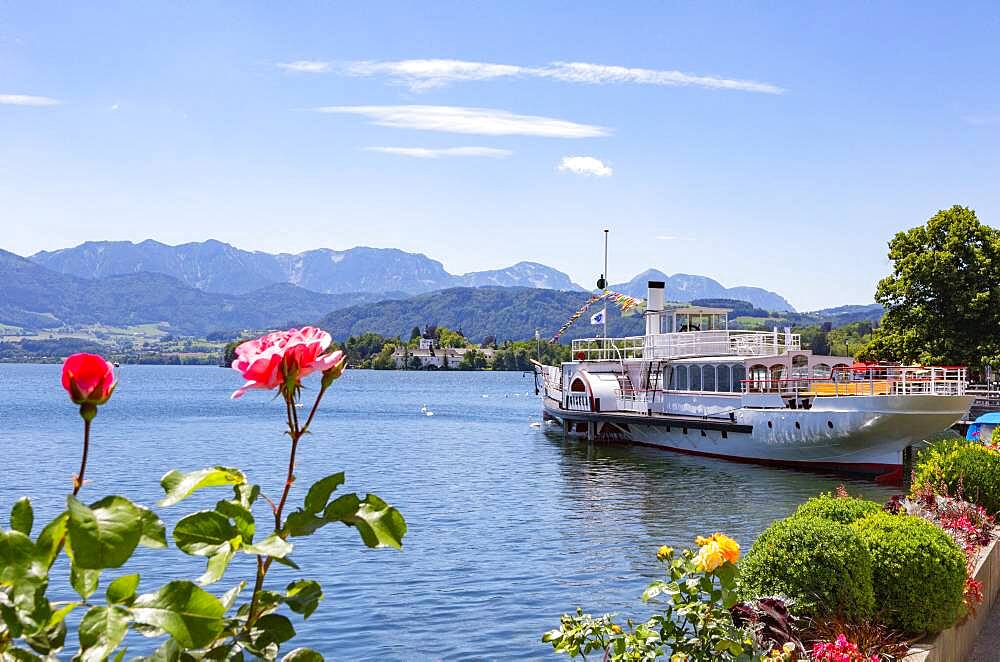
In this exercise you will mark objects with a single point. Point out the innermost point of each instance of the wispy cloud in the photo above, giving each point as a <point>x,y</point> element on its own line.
<point>420,75</point>
<point>673,237</point>
<point>479,121</point>
<point>27,100</point>
<point>307,66</point>
<point>434,153</point>
<point>584,165</point>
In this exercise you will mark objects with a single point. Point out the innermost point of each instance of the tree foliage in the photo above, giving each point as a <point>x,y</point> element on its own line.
<point>942,299</point>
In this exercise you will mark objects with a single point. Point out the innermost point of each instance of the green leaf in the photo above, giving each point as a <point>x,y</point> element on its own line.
<point>22,517</point>
<point>50,540</point>
<point>122,590</point>
<point>302,655</point>
<point>189,614</point>
<point>271,629</point>
<point>17,557</point>
<point>230,596</point>
<point>169,651</point>
<point>300,523</point>
<point>320,492</point>
<point>378,523</point>
<point>62,612</point>
<point>101,630</point>
<point>84,581</point>
<point>103,535</point>
<point>178,486</point>
<point>204,533</point>
<point>217,564</point>
<point>272,545</point>
<point>241,516</point>
<point>246,494</point>
<point>21,655</point>
<point>303,596</point>
<point>287,562</point>
<point>120,655</point>
<point>154,533</point>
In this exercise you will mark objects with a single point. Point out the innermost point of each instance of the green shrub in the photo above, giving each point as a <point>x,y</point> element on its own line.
<point>996,435</point>
<point>918,572</point>
<point>838,509</point>
<point>954,460</point>
<point>821,564</point>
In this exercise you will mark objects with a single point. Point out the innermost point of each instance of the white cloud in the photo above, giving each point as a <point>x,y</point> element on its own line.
<point>982,120</point>
<point>673,237</point>
<point>306,66</point>
<point>599,74</point>
<point>421,75</point>
<point>114,106</point>
<point>480,121</point>
<point>584,165</point>
<point>433,153</point>
<point>27,100</point>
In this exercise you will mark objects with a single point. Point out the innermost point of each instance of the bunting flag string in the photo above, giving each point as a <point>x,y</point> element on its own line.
<point>626,304</point>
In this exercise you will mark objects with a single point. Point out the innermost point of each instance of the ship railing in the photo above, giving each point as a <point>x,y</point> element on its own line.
<point>577,402</point>
<point>608,349</point>
<point>637,402</point>
<point>868,380</point>
<point>720,343</point>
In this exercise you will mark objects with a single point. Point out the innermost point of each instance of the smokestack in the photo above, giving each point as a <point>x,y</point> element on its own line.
<point>654,299</point>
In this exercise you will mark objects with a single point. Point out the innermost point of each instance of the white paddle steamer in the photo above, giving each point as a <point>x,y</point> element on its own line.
<point>693,385</point>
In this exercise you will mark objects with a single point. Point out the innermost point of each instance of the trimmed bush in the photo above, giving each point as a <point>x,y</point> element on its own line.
<point>954,460</point>
<point>838,509</point>
<point>918,572</point>
<point>821,564</point>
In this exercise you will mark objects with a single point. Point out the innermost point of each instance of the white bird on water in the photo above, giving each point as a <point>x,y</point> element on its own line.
<point>423,408</point>
<point>428,413</point>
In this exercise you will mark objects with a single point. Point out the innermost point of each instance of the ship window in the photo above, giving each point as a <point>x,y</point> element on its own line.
<point>696,378</point>
<point>821,370</point>
<point>759,377</point>
<point>799,361</point>
<point>682,377</point>
<point>739,374</point>
<point>708,378</point>
<point>723,384</point>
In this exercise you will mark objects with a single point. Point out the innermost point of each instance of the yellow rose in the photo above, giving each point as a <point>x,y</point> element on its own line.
<point>702,540</point>
<point>709,557</point>
<point>730,548</point>
<point>616,629</point>
<point>664,553</point>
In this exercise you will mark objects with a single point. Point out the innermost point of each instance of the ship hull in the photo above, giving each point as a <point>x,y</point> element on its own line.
<point>857,435</point>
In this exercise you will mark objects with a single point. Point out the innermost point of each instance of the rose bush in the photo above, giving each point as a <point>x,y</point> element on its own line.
<point>102,536</point>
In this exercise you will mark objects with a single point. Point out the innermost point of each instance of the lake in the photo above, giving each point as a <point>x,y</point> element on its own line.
<point>509,526</point>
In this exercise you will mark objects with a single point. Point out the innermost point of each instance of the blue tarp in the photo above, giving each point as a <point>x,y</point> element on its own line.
<point>983,424</point>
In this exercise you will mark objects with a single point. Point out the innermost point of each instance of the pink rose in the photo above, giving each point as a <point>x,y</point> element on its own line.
<point>88,378</point>
<point>283,358</point>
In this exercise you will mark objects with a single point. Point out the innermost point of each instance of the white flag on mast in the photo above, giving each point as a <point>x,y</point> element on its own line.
<point>598,317</point>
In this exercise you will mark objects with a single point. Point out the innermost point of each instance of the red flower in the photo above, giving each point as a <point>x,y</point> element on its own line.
<point>88,378</point>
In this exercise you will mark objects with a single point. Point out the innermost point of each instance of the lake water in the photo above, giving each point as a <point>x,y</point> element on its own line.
<point>509,526</point>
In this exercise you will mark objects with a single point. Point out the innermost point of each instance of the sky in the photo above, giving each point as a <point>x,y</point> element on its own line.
<point>778,145</point>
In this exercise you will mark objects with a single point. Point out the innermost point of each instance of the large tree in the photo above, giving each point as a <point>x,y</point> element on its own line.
<point>942,299</point>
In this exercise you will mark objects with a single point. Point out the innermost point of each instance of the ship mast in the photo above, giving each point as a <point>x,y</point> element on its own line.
<point>606,281</point>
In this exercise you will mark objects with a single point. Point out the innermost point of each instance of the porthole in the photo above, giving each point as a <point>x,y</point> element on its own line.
<point>703,433</point>
<point>770,424</point>
<point>797,426</point>
<point>829,424</point>
<point>725,435</point>
<point>685,430</point>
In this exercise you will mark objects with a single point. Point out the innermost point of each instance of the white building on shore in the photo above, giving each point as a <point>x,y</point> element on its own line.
<point>433,357</point>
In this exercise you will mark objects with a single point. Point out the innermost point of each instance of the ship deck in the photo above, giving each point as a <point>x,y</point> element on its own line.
<point>552,407</point>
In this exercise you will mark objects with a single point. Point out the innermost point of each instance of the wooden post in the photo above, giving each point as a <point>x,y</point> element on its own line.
<point>908,454</point>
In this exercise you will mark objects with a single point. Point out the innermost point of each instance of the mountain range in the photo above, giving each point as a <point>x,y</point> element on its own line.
<point>213,266</point>
<point>211,287</point>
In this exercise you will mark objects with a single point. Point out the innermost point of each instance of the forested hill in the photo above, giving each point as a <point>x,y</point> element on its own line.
<point>507,313</point>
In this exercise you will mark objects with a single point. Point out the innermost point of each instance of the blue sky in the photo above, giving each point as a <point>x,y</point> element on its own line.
<point>760,144</point>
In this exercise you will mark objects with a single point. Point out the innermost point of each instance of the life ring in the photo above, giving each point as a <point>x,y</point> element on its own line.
<point>581,355</point>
